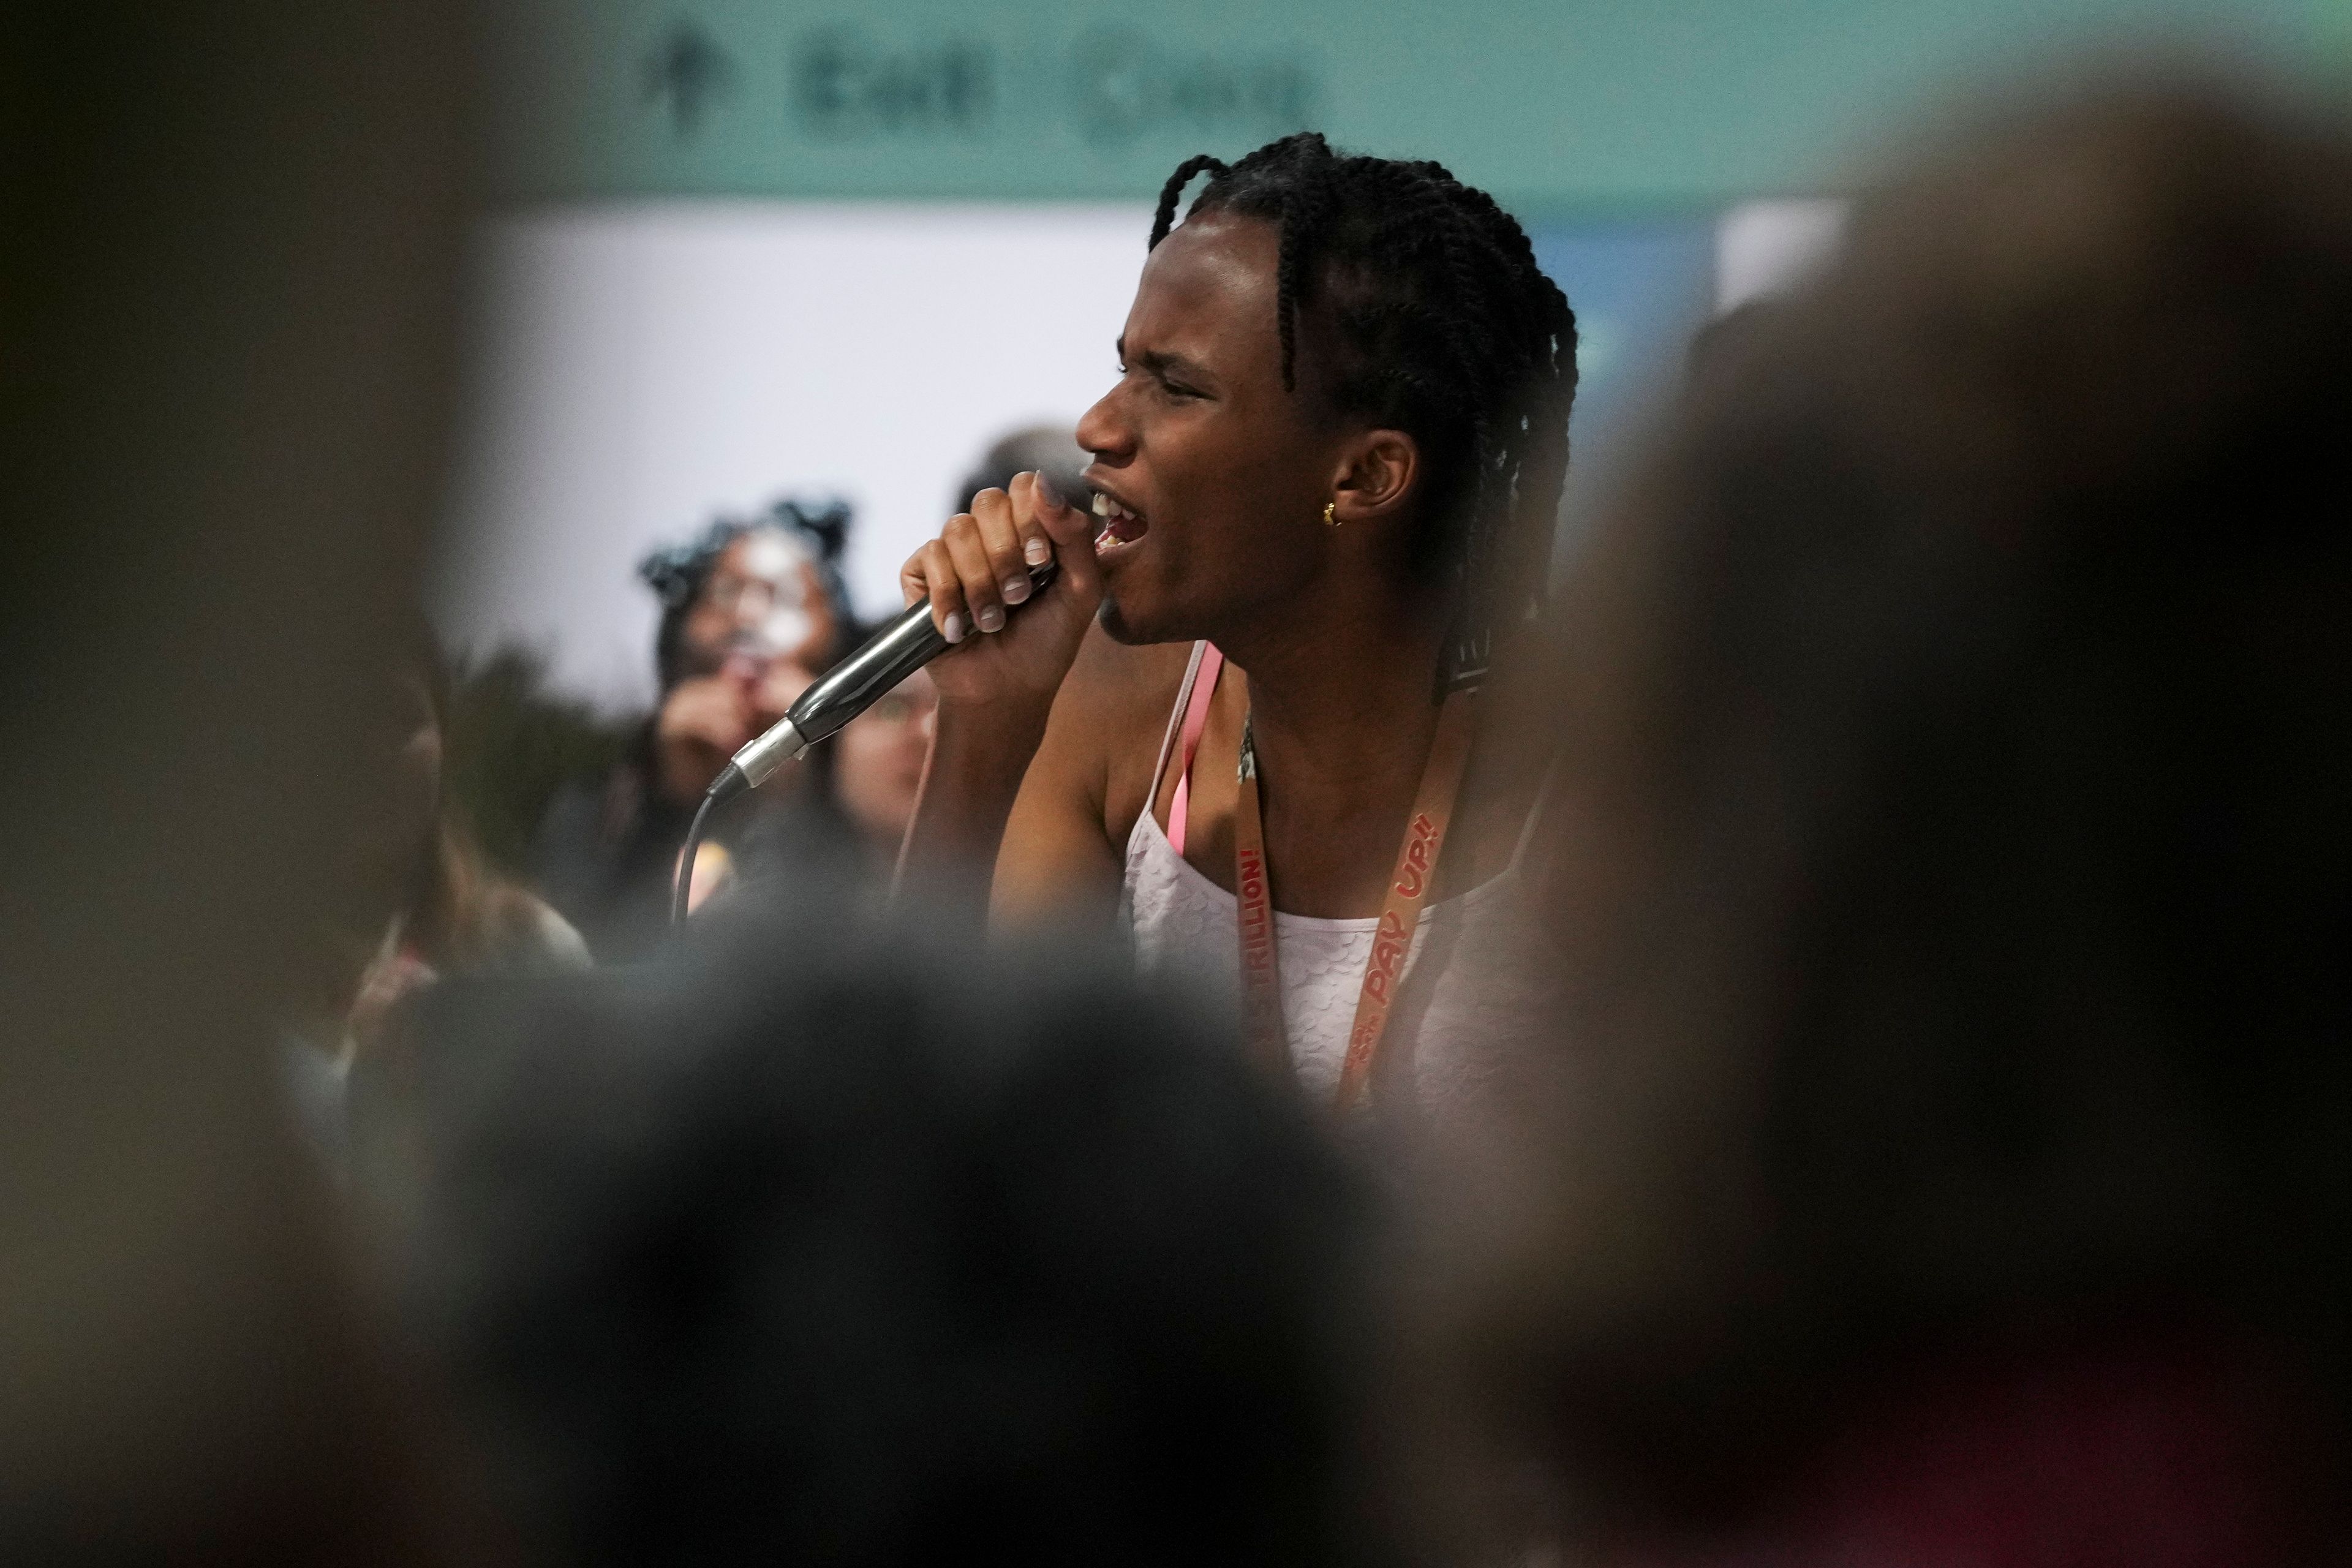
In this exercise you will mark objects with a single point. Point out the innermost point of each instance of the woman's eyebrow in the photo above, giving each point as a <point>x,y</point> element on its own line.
<point>1170,364</point>
<point>1162,363</point>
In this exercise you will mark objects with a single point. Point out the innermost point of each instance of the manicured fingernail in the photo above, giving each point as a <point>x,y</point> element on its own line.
<point>952,628</point>
<point>1036,553</point>
<point>1016,590</point>
<point>1046,489</point>
<point>991,618</point>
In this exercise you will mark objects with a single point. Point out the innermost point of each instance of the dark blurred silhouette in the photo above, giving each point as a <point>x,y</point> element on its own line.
<point>1944,1156</point>
<point>872,1257</point>
<point>227,306</point>
<point>514,742</point>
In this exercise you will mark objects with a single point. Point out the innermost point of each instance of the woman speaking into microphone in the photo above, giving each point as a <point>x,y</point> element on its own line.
<point>1251,713</point>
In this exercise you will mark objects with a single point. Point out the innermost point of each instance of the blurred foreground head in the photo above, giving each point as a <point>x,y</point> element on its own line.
<point>1955,848</point>
<point>872,1255</point>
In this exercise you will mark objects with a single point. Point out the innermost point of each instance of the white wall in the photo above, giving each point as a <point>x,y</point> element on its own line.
<point>640,368</point>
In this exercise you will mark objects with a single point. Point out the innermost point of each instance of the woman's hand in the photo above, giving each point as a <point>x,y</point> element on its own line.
<point>977,571</point>
<point>704,721</point>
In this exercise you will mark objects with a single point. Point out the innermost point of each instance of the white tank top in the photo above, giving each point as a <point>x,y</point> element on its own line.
<point>1475,980</point>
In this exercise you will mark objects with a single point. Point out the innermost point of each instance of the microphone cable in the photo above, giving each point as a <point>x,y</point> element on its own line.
<point>682,881</point>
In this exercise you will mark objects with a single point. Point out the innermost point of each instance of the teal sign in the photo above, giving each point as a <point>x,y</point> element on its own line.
<point>1567,105</point>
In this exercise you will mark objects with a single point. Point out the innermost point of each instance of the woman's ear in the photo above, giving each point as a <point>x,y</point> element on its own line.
<point>1376,476</point>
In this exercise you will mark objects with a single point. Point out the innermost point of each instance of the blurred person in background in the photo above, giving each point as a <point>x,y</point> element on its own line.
<point>1327,483</point>
<point>753,611</point>
<point>415,902</point>
<point>1944,1156</point>
<point>878,767</point>
<point>1049,449</point>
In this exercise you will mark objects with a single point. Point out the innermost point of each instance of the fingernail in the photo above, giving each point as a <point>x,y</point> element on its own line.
<point>1045,489</point>
<point>990,619</point>
<point>1016,590</point>
<point>952,628</point>
<point>1036,553</point>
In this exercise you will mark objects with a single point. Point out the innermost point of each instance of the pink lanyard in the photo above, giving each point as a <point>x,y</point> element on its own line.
<point>1409,885</point>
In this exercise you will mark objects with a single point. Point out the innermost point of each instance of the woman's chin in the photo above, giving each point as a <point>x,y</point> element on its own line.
<point>1137,618</point>
<point>1139,605</point>
<point>1117,625</point>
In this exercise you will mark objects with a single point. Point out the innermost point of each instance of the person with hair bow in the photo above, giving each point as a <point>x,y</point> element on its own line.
<point>753,611</point>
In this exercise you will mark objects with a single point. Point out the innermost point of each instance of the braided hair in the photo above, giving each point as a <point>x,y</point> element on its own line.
<point>1445,328</point>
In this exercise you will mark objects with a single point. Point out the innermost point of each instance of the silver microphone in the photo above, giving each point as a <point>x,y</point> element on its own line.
<point>847,690</point>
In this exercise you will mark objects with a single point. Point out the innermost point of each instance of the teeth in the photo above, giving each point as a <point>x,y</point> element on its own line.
<point>1105,506</point>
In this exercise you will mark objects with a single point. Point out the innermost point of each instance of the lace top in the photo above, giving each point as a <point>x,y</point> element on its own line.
<point>1473,980</point>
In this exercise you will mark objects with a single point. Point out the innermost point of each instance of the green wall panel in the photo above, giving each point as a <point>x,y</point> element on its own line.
<point>1573,105</point>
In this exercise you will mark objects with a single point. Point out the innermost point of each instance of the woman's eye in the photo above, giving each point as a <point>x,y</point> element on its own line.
<point>1158,380</point>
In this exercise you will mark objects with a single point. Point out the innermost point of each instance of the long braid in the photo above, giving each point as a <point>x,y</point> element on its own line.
<point>1172,192</point>
<point>1446,329</point>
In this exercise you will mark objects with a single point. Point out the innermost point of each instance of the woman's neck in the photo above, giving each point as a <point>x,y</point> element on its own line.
<point>1343,696</point>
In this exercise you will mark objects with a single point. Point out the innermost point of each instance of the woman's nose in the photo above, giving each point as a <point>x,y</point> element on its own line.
<point>752,604</point>
<point>1104,430</point>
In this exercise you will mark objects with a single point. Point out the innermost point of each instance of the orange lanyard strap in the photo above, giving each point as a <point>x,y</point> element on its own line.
<point>1409,889</point>
<point>1254,898</point>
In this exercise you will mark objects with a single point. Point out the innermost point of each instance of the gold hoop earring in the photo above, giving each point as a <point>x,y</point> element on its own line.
<point>1329,508</point>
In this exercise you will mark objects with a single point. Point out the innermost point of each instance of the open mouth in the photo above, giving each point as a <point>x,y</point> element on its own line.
<point>1120,526</point>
